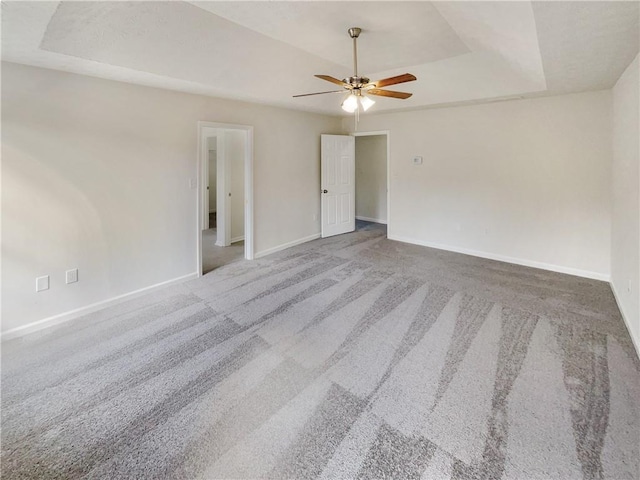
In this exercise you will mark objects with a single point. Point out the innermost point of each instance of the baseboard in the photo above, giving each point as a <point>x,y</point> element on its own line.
<point>219,243</point>
<point>94,307</point>
<point>636,341</point>
<point>502,258</point>
<point>299,241</point>
<point>369,219</point>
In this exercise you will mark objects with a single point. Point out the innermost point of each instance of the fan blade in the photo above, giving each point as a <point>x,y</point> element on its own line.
<point>332,80</point>
<point>405,77</point>
<point>318,93</point>
<point>389,93</point>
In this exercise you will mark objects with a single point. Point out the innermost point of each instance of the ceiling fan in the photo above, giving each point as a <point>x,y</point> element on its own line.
<point>360,87</point>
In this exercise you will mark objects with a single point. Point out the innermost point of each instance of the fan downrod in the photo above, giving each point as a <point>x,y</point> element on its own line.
<point>354,32</point>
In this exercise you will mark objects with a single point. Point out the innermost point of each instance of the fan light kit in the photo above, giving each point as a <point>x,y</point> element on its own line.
<point>359,88</point>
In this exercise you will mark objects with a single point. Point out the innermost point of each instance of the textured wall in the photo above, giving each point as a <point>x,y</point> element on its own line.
<point>625,233</point>
<point>527,181</point>
<point>96,175</point>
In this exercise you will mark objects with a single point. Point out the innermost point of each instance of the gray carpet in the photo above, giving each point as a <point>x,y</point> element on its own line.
<point>348,357</point>
<point>215,257</point>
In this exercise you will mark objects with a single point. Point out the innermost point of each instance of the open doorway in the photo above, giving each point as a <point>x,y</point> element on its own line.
<point>225,207</point>
<point>372,179</point>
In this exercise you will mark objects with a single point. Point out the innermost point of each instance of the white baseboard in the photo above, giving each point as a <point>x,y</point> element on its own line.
<point>94,307</point>
<point>369,219</point>
<point>636,341</point>
<point>219,243</point>
<point>502,258</point>
<point>299,241</point>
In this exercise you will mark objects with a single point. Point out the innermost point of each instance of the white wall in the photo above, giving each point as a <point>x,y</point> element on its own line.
<point>234,150</point>
<point>526,181</point>
<point>625,232</point>
<point>213,181</point>
<point>96,175</point>
<point>371,178</point>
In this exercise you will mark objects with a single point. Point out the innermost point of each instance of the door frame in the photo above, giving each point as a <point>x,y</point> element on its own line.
<point>223,180</point>
<point>386,133</point>
<point>201,185</point>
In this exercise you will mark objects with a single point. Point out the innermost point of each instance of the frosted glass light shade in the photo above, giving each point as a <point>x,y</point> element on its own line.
<point>366,102</point>
<point>350,104</point>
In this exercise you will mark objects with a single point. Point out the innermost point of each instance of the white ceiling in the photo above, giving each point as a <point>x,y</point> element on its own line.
<point>268,51</point>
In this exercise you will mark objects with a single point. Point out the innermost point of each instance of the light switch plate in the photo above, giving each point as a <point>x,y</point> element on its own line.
<point>417,160</point>
<point>72,276</point>
<point>42,283</point>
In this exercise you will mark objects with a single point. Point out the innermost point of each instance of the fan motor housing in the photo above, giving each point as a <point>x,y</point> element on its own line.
<point>356,82</point>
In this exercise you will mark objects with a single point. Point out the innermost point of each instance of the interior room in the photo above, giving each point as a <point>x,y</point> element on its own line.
<point>329,240</point>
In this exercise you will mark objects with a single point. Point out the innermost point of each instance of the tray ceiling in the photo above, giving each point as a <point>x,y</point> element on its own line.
<point>266,52</point>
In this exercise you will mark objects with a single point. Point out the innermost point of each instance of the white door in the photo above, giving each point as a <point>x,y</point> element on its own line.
<point>338,185</point>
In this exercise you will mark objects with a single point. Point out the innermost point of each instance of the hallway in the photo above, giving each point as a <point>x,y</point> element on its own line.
<point>213,256</point>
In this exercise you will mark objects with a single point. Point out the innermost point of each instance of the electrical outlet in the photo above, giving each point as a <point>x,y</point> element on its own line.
<point>72,276</point>
<point>42,283</point>
<point>417,160</point>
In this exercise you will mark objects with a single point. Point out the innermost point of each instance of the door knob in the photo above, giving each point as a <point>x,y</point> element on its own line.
<point>325,191</point>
